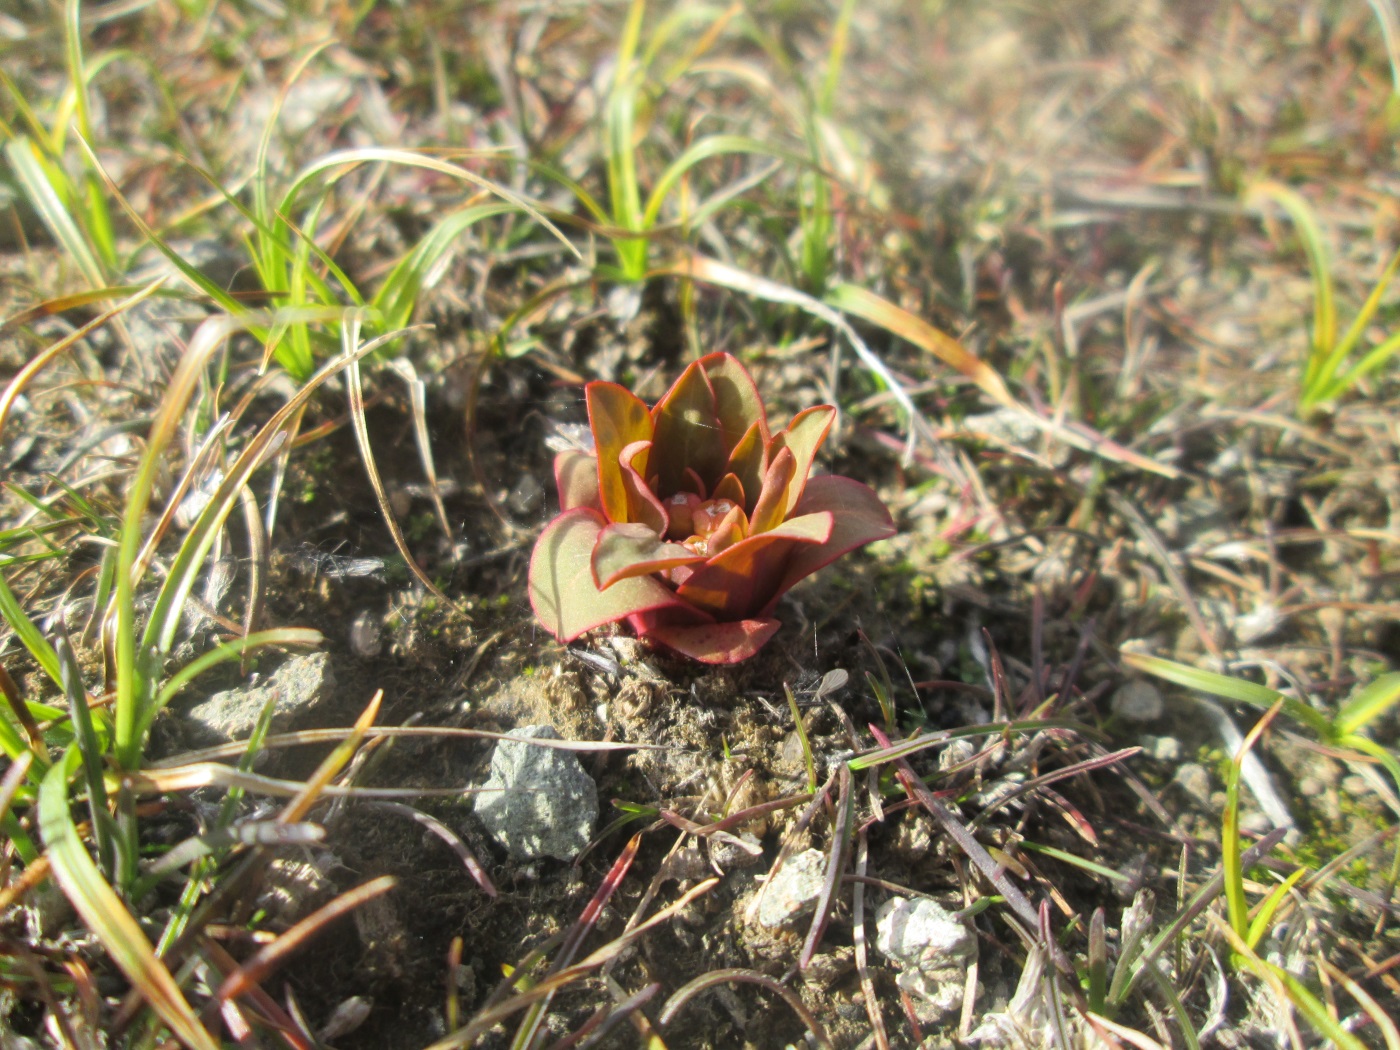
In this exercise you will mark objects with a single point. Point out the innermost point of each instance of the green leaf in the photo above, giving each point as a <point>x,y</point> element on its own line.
<point>576,480</point>
<point>29,634</point>
<point>37,182</point>
<point>1369,704</point>
<point>687,434</point>
<point>105,914</point>
<point>738,404</point>
<point>628,549</point>
<point>1249,693</point>
<point>562,591</point>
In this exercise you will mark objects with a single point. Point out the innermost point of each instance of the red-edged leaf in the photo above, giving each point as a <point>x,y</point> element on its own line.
<point>642,504</point>
<point>803,436</point>
<point>687,434</point>
<point>733,527</point>
<point>695,483</point>
<point>576,478</point>
<point>730,488</point>
<point>717,643</point>
<point>617,418</point>
<point>628,549</point>
<point>562,591</point>
<point>749,462</point>
<point>859,517</point>
<point>736,582</point>
<point>737,402</point>
<point>771,507</point>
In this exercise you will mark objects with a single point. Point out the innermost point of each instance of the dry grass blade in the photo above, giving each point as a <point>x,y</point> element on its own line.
<point>1197,904</point>
<point>257,567</point>
<point>690,990</point>
<point>13,778</point>
<point>710,271</point>
<point>862,947</point>
<point>332,764</point>
<point>35,874</point>
<point>871,307</point>
<point>529,1028</point>
<point>350,339</point>
<point>24,718</point>
<point>442,831</point>
<point>1036,783</point>
<point>1164,559</point>
<point>1131,1036</point>
<point>52,307</point>
<point>107,916</point>
<point>330,736</point>
<point>487,1019</point>
<point>265,960</point>
<point>1374,1010</point>
<point>879,311</point>
<point>1288,988</point>
<point>418,402</point>
<point>37,364</point>
<point>974,850</point>
<point>841,831</point>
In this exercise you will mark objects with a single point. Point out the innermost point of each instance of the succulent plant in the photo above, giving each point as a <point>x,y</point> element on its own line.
<point>689,520</point>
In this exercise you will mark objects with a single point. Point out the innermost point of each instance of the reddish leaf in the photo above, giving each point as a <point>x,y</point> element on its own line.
<point>642,504</point>
<point>617,418</point>
<point>743,578</point>
<point>749,462</point>
<point>803,436</point>
<point>628,549</point>
<point>576,478</point>
<point>695,483</point>
<point>732,528</point>
<point>687,434</point>
<point>730,488</point>
<point>737,402</point>
<point>562,591</point>
<point>771,507</point>
<point>717,643</point>
<point>859,518</point>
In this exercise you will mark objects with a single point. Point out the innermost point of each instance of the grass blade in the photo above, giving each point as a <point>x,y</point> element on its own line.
<point>1249,693</point>
<point>1315,246</point>
<point>38,188</point>
<point>29,634</point>
<point>232,650</point>
<point>106,915</point>
<point>1369,704</point>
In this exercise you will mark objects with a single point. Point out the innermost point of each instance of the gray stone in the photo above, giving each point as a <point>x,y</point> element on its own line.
<point>793,891</point>
<point>538,801</point>
<point>922,933</point>
<point>1162,748</point>
<point>296,687</point>
<point>1137,701</point>
<point>932,949</point>
<point>1194,779</point>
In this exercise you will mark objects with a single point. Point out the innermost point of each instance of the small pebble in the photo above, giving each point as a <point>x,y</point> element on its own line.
<point>1193,779</point>
<point>1137,701</point>
<point>793,891</point>
<point>1161,748</point>
<point>366,635</point>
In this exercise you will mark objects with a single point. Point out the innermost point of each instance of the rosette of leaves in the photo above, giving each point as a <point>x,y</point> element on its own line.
<point>690,519</point>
